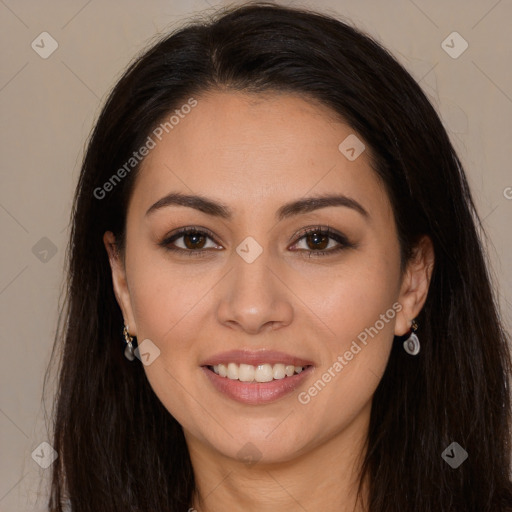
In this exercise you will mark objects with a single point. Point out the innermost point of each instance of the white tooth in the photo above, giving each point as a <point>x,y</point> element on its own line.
<point>246,372</point>
<point>232,371</point>
<point>216,368</point>
<point>223,372</point>
<point>298,369</point>
<point>279,371</point>
<point>289,370</point>
<point>263,373</point>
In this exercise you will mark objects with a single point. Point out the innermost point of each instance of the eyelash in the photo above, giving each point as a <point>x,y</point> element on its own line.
<point>323,231</point>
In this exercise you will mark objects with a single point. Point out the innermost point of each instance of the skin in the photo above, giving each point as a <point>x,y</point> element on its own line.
<point>254,153</point>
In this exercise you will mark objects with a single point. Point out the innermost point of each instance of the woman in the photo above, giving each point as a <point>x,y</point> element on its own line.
<point>277,298</point>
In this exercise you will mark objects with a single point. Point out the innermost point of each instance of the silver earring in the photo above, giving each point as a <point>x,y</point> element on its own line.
<point>128,351</point>
<point>412,343</point>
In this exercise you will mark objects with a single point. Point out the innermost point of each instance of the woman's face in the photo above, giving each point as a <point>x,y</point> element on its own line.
<point>257,283</point>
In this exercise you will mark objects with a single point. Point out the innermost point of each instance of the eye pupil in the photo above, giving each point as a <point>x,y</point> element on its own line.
<point>197,238</point>
<point>318,238</point>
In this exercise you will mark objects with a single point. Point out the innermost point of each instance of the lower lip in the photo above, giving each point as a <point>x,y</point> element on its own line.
<point>256,393</point>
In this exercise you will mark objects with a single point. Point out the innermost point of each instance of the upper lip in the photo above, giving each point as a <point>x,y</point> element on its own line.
<point>255,357</point>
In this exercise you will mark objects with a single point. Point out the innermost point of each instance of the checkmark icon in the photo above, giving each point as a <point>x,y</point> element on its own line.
<point>44,45</point>
<point>44,250</point>
<point>147,352</point>
<point>454,455</point>
<point>454,45</point>
<point>249,454</point>
<point>249,249</point>
<point>351,147</point>
<point>44,455</point>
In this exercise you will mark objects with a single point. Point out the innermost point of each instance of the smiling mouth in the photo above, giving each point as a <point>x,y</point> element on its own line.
<point>256,373</point>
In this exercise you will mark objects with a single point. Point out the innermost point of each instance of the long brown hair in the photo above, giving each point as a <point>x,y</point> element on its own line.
<point>119,448</point>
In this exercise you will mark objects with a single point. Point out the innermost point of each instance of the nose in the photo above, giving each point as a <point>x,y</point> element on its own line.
<point>254,297</point>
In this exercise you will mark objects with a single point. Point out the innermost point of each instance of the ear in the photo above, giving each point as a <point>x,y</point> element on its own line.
<point>415,285</point>
<point>120,283</point>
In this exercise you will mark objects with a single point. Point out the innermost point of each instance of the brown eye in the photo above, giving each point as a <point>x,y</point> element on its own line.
<point>321,241</point>
<point>194,240</point>
<point>191,241</point>
<point>317,241</point>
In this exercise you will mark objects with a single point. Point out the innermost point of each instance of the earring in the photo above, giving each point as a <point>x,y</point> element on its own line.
<point>412,343</point>
<point>128,351</point>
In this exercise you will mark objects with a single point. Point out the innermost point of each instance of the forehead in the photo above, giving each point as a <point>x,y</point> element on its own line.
<point>254,149</point>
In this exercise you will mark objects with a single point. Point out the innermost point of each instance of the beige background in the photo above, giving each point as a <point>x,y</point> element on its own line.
<point>49,105</point>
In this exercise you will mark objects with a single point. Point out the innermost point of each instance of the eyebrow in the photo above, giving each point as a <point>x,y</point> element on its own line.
<point>293,208</point>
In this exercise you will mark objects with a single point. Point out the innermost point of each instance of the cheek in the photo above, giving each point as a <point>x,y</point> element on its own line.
<point>357,305</point>
<point>352,297</point>
<point>166,295</point>
<point>166,300</point>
